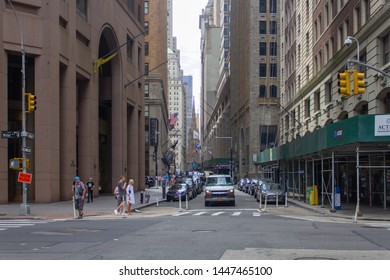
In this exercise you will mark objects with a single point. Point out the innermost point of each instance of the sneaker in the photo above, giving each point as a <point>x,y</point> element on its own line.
<point>116,212</point>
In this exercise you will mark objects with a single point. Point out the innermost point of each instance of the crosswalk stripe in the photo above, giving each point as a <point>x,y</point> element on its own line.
<point>8,224</point>
<point>200,213</point>
<point>217,214</point>
<point>256,214</point>
<point>180,214</point>
<point>236,214</point>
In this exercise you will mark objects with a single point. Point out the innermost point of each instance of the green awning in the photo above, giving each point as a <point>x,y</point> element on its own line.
<point>358,129</point>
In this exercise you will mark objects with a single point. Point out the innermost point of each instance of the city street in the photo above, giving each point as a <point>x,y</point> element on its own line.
<point>217,232</point>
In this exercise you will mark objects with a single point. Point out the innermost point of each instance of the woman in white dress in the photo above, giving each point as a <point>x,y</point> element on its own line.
<point>130,195</point>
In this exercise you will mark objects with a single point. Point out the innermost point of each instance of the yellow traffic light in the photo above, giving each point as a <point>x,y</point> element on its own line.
<point>344,83</point>
<point>31,102</point>
<point>358,83</point>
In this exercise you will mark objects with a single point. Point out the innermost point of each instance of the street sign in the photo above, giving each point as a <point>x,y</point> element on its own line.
<point>14,164</point>
<point>26,150</point>
<point>28,135</point>
<point>10,134</point>
<point>24,178</point>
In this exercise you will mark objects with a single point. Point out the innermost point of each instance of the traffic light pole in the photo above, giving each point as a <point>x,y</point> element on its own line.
<point>24,208</point>
<point>351,60</point>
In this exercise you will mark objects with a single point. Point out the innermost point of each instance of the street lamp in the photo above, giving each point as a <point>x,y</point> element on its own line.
<point>231,152</point>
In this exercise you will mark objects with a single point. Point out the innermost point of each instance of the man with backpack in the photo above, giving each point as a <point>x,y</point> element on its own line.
<point>79,191</point>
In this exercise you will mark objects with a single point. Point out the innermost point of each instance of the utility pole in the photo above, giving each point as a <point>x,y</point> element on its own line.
<point>24,208</point>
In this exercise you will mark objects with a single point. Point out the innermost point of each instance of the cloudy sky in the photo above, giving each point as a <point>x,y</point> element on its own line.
<point>186,28</point>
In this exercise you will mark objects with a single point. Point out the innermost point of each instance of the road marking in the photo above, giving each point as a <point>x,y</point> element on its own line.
<point>236,214</point>
<point>217,214</point>
<point>180,214</point>
<point>200,213</point>
<point>8,224</point>
<point>256,214</point>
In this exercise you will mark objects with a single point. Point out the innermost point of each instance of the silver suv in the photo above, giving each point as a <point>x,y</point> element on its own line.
<point>219,189</point>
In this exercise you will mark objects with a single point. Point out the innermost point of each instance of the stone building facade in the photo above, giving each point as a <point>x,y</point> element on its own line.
<point>87,124</point>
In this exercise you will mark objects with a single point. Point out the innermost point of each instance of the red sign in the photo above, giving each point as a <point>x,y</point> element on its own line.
<point>24,177</point>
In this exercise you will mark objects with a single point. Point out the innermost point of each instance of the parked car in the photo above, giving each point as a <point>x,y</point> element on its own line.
<point>150,181</point>
<point>219,189</point>
<point>179,191</point>
<point>191,184</point>
<point>271,191</point>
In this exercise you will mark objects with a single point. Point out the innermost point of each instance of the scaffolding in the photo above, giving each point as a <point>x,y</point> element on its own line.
<point>362,174</point>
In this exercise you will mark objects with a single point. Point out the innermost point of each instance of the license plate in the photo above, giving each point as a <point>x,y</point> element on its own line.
<point>220,199</point>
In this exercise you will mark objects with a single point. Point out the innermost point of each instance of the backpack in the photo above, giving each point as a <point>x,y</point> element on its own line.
<point>116,192</point>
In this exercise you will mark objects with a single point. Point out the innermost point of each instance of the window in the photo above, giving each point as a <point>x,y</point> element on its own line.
<point>146,28</point>
<point>146,110</point>
<point>146,48</point>
<point>139,57</point>
<point>272,6</point>
<point>386,49</point>
<point>82,6</point>
<point>130,4</point>
<point>307,108</point>
<point>263,48</point>
<point>273,70</point>
<point>317,101</point>
<point>263,70</point>
<point>146,7</point>
<point>146,69</point>
<point>328,91</point>
<point>267,136</point>
<point>262,6</point>
<point>130,46</point>
<point>146,90</point>
<point>263,91</point>
<point>273,27</point>
<point>273,48</point>
<point>262,27</point>
<point>273,90</point>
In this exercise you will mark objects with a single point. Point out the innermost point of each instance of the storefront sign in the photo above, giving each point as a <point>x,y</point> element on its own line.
<point>382,125</point>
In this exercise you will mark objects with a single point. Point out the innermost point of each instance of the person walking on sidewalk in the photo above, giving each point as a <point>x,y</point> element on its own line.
<point>130,196</point>
<point>121,197</point>
<point>79,191</point>
<point>91,185</point>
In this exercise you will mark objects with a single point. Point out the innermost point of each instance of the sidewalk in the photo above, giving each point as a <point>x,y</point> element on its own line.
<point>347,211</point>
<point>101,206</point>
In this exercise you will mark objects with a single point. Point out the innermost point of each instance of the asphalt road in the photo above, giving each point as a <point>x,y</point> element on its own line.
<point>199,232</point>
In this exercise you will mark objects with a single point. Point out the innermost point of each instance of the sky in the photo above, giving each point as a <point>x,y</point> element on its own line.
<point>186,28</point>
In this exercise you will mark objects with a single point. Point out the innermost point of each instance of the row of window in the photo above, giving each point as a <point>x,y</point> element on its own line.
<point>272,48</point>
<point>273,70</point>
<point>272,27</point>
<point>273,91</point>
<point>271,5</point>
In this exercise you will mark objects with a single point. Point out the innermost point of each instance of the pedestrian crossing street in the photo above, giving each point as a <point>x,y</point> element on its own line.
<point>222,212</point>
<point>18,223</point>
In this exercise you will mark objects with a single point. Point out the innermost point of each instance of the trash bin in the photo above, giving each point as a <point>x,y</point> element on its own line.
<point>337,198</point>
<point>314,196</point>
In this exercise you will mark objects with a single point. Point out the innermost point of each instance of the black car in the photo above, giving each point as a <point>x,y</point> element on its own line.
<point>179,191</point>
<point>150,181</point>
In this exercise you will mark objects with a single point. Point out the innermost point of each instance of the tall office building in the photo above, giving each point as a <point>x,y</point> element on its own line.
<point>254,79</point>
<point>90,116</point>
<point>332,140</point>
<point>156,86</point>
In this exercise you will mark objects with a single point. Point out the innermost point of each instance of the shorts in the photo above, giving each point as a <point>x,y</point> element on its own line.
<point>79,204</point>
<point>119,199</point>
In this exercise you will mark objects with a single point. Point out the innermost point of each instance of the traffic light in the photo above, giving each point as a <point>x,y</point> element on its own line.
<point>358,83</point>
<point>344,83</point>
<point>31,102</point>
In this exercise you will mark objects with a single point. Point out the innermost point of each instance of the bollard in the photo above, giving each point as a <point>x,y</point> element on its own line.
<point>147,197</point>
<point>141,197</point>
<point>186,201</point>
<point>265,203</point>
<point>277,200</point>
<point>157,199</point>
<point>180,203</point>
<point>261,198</point>
<point>285,199</point>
